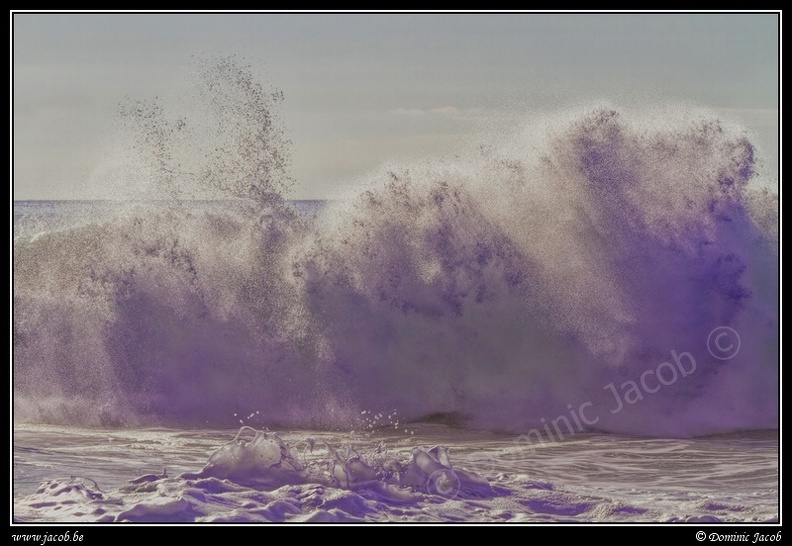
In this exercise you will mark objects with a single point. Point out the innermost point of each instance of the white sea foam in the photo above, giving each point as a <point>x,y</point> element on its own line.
<point>385,477</point>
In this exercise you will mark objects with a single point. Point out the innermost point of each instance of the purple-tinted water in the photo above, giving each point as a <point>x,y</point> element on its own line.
<point>594,274</point>
<point>430,474</point>
<point>614,274</point>
<point>591,270</point>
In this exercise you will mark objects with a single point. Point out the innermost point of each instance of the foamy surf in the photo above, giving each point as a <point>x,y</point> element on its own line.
<point>385,477</point>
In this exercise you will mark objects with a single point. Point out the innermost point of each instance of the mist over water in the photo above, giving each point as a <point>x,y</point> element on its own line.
<point>495,289</point>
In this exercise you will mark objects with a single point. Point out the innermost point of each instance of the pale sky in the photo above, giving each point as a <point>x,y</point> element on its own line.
<point>361,89</point>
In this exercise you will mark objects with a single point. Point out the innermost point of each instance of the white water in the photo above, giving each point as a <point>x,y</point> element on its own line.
<point>572,279</point>
<point>67,474</point>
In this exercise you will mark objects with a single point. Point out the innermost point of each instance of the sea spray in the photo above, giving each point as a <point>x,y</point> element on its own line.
<point>493,289</point>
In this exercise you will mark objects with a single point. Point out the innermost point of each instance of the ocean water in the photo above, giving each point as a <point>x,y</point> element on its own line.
<point>433,473</point>
<point>577,321</point>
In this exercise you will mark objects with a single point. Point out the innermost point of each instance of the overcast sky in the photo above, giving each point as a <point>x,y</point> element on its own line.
<point>361,89</point>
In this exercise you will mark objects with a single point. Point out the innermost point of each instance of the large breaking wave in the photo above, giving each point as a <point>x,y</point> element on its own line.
<point>502,288</point>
